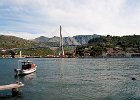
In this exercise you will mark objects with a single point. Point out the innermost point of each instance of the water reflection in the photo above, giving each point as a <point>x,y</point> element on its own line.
<point>62,68</point>
<point>26,77</point>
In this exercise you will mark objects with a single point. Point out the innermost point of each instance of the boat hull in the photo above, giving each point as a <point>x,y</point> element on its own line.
<point>25,72</point>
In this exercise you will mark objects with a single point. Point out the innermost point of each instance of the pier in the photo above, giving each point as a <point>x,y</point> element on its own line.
<point>14,87</point>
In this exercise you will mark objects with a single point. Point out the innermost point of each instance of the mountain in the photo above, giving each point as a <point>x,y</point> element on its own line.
<point>41,39</point>
<point>54,39</point>
<point>8,42</point>
<point>70,41</point>
<point>75,40</point>
<point>83,39</point>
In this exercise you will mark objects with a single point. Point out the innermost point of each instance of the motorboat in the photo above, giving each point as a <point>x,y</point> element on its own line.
<point>27,67</point>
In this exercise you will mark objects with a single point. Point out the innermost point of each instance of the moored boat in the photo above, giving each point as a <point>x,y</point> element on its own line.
<point>27,67</point>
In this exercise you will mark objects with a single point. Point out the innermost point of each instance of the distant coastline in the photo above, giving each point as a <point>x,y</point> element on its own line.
<point>94,47</point>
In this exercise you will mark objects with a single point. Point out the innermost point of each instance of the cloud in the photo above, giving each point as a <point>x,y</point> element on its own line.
<point>120,17</point>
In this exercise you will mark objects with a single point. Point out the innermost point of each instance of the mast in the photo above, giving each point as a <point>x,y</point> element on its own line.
<point>61,42</point>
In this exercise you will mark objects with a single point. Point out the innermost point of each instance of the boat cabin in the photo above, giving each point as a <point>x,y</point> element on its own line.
<point>27,65</point>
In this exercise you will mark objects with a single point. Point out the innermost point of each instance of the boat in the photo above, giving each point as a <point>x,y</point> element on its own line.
<point>27,67</point>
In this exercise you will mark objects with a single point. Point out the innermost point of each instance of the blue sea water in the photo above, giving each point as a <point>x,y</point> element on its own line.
<point>75,79</point>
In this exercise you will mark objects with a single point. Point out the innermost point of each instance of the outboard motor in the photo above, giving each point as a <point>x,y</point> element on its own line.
<point>15,70</point>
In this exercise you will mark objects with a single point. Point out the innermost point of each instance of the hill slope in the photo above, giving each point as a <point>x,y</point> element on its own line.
<point>8,42</point>
<point>75,40</point>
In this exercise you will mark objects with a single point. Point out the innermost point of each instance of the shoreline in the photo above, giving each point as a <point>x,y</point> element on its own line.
<point>66,57</point>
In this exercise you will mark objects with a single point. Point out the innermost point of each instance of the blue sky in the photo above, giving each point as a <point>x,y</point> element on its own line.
<point>32,18</point>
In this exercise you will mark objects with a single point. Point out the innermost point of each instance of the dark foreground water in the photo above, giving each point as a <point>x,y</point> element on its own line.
<point>76,79</point>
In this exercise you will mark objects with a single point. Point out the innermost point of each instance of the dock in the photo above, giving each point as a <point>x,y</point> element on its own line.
<point>14,87</point>
<point>11,86</point>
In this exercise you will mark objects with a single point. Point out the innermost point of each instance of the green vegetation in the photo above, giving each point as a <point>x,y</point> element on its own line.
<point>43,52</point>
<point>10,45</point>
<point>97,46</point>
<point>9,42</point>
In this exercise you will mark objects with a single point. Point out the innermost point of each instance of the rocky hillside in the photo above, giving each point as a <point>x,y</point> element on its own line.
<point>41,39</point>
<point>75,40</point>
<point>8,42</point>
<point>83,39</point>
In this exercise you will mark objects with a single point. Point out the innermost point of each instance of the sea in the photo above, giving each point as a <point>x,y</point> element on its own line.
<point>74,79</point>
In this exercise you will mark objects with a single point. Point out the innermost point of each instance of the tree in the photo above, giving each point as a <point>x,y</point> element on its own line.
<point>12,53</point>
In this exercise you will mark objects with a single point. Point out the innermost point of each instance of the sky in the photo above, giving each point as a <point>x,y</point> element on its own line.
<point>33,18</point>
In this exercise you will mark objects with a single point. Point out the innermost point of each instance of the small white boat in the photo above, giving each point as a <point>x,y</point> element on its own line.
<point>27,67</point>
